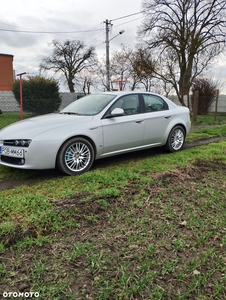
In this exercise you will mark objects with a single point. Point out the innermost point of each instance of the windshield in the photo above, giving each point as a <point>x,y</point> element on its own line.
<point>88,105</point>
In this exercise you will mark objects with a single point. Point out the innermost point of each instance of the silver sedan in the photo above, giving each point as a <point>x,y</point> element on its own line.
<point>94,127</point>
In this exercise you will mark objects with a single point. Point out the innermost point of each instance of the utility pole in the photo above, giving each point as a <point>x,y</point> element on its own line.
<point>107,28</point>
<point>108,24</point>
<point>21,95</point>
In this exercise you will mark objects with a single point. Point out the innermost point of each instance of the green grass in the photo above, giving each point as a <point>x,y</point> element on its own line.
<point>205,133</point>
<point>148,226</point>
<point>144,228</point>
<point>9,118</point>
<point>210,119</point>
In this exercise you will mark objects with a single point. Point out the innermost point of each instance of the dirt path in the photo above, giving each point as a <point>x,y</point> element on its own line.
<point>204,142</point>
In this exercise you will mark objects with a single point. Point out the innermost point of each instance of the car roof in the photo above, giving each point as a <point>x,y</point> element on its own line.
<point>119,93</point>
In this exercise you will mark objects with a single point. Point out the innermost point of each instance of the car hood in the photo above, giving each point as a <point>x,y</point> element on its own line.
<point>31,127</point>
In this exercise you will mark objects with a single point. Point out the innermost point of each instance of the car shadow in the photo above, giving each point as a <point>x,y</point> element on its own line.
<point>20,177</point>
<point>123,158</point>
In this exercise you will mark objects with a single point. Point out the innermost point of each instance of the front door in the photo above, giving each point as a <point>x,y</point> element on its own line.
<point>125,132</point>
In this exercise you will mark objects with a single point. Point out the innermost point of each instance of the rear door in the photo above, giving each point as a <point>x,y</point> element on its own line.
<point>157,117</point>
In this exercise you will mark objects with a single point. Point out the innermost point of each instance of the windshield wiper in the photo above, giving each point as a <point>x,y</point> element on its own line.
<point>70,113</point>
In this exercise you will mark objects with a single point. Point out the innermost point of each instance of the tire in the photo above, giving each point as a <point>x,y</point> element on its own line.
<point>75,157</point>
<point>175,139</point>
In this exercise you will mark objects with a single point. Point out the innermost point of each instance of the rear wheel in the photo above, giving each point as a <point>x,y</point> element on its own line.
<point>175,139</point>
<point>75,157</point>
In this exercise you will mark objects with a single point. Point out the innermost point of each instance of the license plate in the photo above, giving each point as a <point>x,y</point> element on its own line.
<point>12,152</point>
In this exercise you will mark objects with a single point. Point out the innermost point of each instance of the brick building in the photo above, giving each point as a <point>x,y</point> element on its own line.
<point>6,72</point>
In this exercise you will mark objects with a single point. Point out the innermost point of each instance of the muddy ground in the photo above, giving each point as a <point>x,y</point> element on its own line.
<point>83,278</point>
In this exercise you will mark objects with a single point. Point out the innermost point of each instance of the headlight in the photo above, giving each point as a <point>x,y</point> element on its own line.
<point>23,143</point>
<point>17,143</point>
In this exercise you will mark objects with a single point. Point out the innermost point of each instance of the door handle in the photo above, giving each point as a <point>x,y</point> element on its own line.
<point>139,121</point>
<point>93,128</point>
<point>167,117</point>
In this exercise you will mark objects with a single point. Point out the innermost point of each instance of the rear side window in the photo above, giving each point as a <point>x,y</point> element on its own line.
<point>154,103</point>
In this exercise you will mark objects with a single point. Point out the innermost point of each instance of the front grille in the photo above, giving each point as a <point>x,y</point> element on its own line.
<point>12,160</point>
<point>9,143</point>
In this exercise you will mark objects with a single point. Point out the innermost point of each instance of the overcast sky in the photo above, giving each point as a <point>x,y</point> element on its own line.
<point>27,28</point>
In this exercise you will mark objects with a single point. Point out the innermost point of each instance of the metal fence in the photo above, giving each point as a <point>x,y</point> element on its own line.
<point>8,103</point>
<point>10,109</point>
<point>221,105</point>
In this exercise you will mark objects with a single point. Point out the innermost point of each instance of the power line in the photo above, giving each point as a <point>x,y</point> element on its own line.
<point>81,34</point>
<point>118,26</point>
<point>140,12</point>
<point>99,36</point>
<point>65,32</point>
<point>90,31</point>
<point>51,32</point>
<point>128,22</point>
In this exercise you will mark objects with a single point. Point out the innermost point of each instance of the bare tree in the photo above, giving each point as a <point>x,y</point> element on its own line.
<point>135,67</point>
<point>120,66</point>
<point>69,57</point>
<point>191,32</point>
<point>143,66</point>
<point>98,74</point>
<point>207,89</point>
<point>128,67</point>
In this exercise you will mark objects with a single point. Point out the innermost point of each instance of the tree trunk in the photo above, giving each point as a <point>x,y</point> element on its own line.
<point>71,86</point>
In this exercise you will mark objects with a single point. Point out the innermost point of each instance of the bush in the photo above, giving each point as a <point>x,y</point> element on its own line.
<point>207,94</point>
<point>40,95</point>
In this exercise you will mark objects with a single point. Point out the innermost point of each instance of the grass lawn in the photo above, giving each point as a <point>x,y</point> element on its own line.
<point>148,225</point>
<point>9,118</point>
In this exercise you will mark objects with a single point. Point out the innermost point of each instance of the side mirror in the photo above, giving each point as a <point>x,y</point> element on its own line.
<point>117,112</point>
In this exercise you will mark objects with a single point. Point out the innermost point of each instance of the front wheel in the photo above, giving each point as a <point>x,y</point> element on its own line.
<point>75,157</point>
<point>175,139</point>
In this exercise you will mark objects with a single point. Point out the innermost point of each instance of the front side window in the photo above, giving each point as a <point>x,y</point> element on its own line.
<point>154,103</point>
<point>129,103</point>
